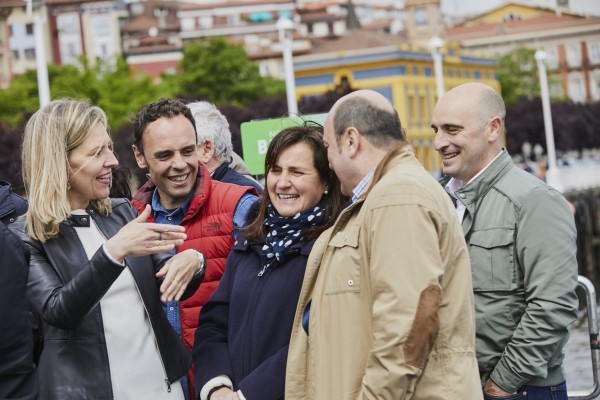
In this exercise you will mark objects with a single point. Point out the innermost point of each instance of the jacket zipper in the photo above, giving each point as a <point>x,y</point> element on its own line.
<point>264,268</point>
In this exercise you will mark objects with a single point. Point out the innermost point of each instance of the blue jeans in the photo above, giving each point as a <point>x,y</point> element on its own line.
<point>558,392</point>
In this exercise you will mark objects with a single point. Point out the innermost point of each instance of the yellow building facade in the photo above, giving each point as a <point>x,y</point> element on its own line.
<point>402,73</point>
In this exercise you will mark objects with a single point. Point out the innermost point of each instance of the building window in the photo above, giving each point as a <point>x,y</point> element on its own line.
<point>555,89</point>
<point>206,22</point>
<point>477,75</point>
<point>188,24</point>
<point>220,20</point>
<point>511,17</point>
<point>552,60</point>
<point>421,16</point>
<point>137,9</point>
<point>29,29</point>
<point>412,109</point>
<point>595,83</point>
<point>415,70</point>
<point>422,111</point>
<point>576,90</point>
<point>30,54</point>
<point>15,54</point>
<point>594,52</point>
<point>10,30</point>
<point>573,55</point>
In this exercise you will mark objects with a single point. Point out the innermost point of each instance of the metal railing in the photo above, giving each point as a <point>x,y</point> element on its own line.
<point>592,314</point>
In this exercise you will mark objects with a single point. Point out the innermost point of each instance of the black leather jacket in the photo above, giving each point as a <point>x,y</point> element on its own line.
<point>64,290</point>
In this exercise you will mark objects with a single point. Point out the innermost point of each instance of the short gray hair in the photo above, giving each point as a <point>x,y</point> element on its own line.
<point>212,125</point>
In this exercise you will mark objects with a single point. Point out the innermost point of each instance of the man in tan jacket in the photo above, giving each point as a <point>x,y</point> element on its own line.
<point>386,308</point>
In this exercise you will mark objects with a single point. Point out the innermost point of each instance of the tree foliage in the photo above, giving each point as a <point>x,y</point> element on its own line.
<point>220,71</point>
<point>573,125</point>
<point>518,75</point>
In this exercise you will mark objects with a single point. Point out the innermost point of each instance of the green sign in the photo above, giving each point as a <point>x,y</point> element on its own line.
<point>256,136</point>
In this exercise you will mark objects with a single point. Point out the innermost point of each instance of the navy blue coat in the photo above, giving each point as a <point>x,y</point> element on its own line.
<point>11,204</point>
<point>18,378</point>
<point>244,329</point>
<point>224,173</point>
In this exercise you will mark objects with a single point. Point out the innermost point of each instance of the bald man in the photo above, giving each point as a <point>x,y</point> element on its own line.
<point>386,308</point>
<point>522,243</point>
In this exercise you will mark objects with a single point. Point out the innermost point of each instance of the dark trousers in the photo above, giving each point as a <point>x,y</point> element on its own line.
<point>558,392</point>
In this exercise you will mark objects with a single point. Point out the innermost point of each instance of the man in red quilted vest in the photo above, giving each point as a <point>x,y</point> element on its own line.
<point>181,192</point>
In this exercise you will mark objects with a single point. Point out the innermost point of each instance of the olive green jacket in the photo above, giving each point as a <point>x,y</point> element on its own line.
<point>522,244</point>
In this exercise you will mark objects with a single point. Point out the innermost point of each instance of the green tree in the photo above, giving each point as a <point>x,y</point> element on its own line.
<point>221,72</point>
<point>22,97</point>
<point>122,93</point>
<point>74,81</point>
<point>518,75</point>
<point>112,87</point>
<point>19,98</point>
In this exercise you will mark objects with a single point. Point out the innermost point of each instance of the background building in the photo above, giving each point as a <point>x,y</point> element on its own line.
<point>571,41</point>
<point>400,71</point>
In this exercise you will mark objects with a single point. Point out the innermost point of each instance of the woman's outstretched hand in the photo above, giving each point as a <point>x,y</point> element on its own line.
<point>141,238</point>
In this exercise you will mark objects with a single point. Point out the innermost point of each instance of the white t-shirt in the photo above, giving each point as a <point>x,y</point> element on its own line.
<point>136,369</point>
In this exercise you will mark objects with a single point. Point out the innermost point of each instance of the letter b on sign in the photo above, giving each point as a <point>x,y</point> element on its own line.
<point>262,146</point>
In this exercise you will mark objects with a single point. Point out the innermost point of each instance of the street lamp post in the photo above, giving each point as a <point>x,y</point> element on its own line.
<point>552,172</point>
<point>435,43</point>
<point>40,61</point>
<point>40,53</point>
<point>285,24</point>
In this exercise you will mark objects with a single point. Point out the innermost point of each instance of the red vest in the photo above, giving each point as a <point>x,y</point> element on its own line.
<point>209,227</point>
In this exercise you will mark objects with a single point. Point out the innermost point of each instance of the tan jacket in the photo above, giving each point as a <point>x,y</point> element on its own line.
<point>392,305</point>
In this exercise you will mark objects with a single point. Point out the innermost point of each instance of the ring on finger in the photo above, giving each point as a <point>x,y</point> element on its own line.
<point>159,236</point>
<point>176,280</point>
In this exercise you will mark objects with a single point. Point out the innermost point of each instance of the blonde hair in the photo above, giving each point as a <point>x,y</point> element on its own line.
<point>50,135</point>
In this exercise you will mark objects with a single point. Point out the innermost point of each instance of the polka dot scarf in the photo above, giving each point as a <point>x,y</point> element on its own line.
<point>284,232</point>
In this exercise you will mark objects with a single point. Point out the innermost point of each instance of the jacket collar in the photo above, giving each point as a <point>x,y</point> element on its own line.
<point>201,191</point>
<point>220,171</point>
<point>484,182</point>
<point>398,154</point>
<point>391,159</point>
<point>81,220</point>
<point>475,190</point>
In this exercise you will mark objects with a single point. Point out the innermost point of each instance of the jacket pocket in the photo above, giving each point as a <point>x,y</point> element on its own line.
<point>344,262</point>
<point>492,259</point>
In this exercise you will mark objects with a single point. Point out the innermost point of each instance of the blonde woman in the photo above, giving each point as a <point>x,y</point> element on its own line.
<point>97,267</point>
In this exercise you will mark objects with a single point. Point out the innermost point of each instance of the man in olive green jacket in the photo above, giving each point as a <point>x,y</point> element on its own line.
<point>387,295</point>
<point>522,243</point>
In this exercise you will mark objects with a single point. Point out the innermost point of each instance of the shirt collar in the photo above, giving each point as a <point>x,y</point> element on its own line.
<point>157,207</point>
<point>454,184</point>
<point>360,188</point>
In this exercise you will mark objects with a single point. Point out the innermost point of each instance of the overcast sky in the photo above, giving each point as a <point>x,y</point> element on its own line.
<point>470,7</point>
